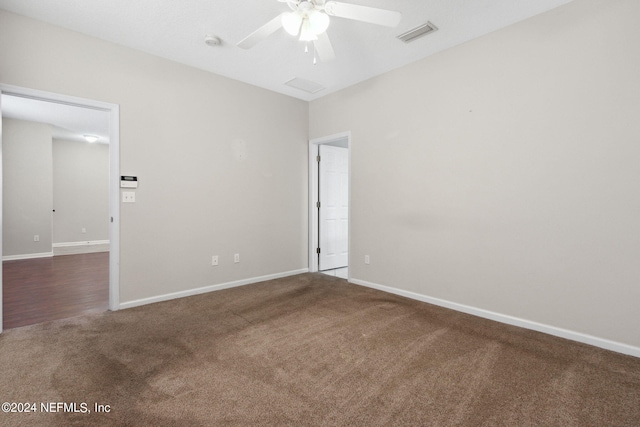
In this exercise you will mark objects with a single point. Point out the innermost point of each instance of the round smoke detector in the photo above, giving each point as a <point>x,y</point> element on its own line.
<point>212,40</point>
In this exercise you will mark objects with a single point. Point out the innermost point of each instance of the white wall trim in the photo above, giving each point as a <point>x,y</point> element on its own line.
<point>510,320</point>
<point>207,289</point>
<point>75,248</point>
<point>88,243</point>
<point>114,206</point>
<point>27,256</point>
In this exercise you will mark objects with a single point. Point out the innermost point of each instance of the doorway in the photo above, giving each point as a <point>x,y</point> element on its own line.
<point>110,133</point>
<point>329,190</point>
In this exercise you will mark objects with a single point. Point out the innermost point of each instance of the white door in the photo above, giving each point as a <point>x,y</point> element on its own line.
<point>333,212</point>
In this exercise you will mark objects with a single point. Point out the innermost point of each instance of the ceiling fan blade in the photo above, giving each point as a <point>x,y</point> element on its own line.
<point>324,48</point>
<point>372,15</point>
<point>261,33</point>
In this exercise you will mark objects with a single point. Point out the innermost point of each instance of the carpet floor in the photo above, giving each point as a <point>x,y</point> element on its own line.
<point>307,350</point>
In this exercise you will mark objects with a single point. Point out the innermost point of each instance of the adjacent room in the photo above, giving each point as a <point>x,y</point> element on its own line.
<point>56,211</point>
<point>323,213</point>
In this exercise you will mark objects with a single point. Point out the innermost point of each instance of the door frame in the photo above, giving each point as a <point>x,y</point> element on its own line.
<point>313,193</point>
<point>114,177</point>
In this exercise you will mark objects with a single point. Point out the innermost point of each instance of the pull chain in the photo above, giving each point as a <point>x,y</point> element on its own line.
<point>306,50</point>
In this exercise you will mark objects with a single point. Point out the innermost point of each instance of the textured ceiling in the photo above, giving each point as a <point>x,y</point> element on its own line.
<point>176,30</point>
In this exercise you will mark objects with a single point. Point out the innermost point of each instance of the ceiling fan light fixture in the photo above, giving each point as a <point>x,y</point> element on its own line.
<point>319,22</point>
<point>310,19</point>
<point>306,32</point>
<point>291,23</point>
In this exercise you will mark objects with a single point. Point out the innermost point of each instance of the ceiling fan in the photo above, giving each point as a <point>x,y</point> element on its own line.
<point>309,19</point>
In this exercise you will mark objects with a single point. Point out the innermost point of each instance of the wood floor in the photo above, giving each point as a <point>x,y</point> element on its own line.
<point>43,289</point>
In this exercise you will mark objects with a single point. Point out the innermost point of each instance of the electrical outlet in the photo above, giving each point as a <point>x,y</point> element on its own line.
<point>128,197</point>
<point>367,260</point>
<point>236,258</point>
<point>214,260</point>
<point>84,230</point>
<point>36,238</point>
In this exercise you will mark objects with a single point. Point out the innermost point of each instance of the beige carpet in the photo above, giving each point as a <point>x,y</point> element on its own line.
<point>309,350</point>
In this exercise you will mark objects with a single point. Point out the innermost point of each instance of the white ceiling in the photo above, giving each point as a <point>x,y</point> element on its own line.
<point>68,122</point>
<point>176,30</point>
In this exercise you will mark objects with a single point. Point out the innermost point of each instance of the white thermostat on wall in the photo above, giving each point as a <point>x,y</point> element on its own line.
<point>128,182</point>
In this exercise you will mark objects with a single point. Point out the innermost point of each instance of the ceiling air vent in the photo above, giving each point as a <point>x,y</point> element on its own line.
<point>305,85</point>
<point>418,32</point>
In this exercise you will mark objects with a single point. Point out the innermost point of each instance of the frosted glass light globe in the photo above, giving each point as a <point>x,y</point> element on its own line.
<point>291,23</point>
<point>306,33</point>
<point>319,22</point>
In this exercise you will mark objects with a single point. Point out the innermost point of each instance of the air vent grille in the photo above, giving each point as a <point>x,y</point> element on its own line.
<point>418,32</point>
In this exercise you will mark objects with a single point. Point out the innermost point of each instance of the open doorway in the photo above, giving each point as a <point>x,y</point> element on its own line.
<point>329,182</point>
<point>60,219</point>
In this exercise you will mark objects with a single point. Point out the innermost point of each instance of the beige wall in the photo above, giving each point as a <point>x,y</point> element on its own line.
<point>28,188</point>
<point>504,174</point>
<point>180,129</point>
<point>80,191</point>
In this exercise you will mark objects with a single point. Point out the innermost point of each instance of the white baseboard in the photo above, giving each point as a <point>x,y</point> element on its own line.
<point>206,289</point>
<point>510,320</point>
<point>27,256</point>
<point>73,248</point>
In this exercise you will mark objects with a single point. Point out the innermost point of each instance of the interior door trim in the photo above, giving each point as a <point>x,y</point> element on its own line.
<point>313,193</point>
